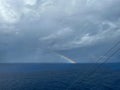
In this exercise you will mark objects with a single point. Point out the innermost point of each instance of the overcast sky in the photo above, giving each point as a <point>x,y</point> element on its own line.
<point>38,30</point>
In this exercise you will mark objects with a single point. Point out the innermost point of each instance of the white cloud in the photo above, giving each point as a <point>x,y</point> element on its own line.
<point>7,12</point>
<point>59,34</point>
<point>30,2</point>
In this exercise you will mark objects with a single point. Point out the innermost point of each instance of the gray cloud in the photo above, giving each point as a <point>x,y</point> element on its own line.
<point>57,24</point>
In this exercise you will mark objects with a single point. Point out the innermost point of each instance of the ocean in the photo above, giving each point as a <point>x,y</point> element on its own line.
<point>35,76</point>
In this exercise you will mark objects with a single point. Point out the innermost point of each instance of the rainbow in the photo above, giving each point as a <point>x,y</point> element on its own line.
<point>66,58</point>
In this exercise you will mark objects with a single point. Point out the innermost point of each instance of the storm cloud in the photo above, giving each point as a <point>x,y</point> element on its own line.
<point>56,25</point>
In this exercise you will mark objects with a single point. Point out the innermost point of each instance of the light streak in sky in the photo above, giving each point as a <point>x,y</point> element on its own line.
<point>66,58</point>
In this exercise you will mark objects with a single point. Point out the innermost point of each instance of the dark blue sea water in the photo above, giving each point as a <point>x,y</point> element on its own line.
<point>87,76</point>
